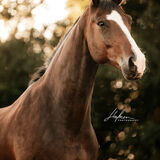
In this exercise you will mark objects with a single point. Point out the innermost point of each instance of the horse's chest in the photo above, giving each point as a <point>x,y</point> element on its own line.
<point>58,148</point>
<point>58,153</point>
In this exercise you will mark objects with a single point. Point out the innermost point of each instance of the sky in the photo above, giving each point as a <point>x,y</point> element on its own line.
<point>45,14</point>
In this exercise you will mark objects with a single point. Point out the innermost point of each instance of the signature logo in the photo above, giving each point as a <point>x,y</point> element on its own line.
<point>118,116</point>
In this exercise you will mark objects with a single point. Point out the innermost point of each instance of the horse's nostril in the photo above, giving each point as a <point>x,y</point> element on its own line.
<point>108,46</point>
<point>132,66</point>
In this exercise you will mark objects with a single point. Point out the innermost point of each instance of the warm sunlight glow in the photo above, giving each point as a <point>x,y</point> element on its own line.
<point>4,31</point>
<point>48,13</point>
<point>45,14</point>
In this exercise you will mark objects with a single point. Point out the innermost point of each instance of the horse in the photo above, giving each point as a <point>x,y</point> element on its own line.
<point>51,120</point>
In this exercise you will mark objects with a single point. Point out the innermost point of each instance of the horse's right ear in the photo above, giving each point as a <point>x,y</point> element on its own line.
<point>95,2</point>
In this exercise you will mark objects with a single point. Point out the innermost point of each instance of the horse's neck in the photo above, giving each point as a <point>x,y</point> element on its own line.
<point>70,77</point>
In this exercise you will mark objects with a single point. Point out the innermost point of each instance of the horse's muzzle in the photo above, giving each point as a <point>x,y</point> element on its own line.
<point>130,70</point>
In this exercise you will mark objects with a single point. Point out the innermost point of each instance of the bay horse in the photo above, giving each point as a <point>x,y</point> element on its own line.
<point>51,119</point>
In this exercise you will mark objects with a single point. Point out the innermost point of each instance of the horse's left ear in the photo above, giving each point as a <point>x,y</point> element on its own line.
<point>119,2</point>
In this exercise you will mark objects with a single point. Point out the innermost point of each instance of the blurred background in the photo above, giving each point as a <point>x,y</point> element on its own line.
<point>29,32</point>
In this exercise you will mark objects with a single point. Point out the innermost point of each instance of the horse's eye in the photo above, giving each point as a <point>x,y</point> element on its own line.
<point>101,23</point>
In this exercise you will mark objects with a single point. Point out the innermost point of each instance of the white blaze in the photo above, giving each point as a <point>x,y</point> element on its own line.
<point>140,58</point>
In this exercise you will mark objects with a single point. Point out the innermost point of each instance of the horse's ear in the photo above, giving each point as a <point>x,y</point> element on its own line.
<point>119,2</point>
<point>95,2</point>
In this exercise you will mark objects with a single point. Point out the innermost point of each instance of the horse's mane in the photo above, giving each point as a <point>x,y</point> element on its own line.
<point>41,70</point>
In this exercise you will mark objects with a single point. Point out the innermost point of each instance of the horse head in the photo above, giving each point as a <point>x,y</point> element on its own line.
<point>109,39</point>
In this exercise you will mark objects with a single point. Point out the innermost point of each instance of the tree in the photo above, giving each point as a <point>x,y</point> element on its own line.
<point>17,64</point>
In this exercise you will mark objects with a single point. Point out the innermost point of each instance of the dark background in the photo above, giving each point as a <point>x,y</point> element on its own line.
<point>19,58</point>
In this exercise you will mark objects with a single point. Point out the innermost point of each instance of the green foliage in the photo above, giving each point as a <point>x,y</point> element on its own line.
<point>17,64</point>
